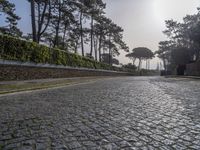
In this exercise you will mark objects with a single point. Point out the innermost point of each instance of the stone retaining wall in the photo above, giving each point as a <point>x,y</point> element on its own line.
<point>27,72</point>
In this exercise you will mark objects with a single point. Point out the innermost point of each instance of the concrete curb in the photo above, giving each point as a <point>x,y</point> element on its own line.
<point>187,77</point>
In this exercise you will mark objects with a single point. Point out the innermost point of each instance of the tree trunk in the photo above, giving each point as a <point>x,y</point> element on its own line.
<point>110,50</point>
<point>100,40</point>
<point>41,19</point>
<point>147,64</point>
<point>38,23</point>
<point>58,25</point>
<point>139,64</point>
<point>63,38</point>
<point>91,35</point>
<point>81,33</point>
<point>134,59</point>
<point>34,34</point>
<point>95,47</point>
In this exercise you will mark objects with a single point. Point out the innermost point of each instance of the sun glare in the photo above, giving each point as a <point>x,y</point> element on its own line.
<point>158,10</point>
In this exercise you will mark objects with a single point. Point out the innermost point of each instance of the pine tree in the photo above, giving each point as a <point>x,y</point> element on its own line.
<point>11,28</point>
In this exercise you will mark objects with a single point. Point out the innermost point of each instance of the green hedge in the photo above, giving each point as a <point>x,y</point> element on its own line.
<point>20,50</point>
<point>25,51</point>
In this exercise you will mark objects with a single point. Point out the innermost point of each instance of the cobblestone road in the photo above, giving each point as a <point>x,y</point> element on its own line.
<point>119,113</point>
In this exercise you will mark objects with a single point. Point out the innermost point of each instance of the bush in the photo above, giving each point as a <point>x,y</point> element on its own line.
<point>20,50</point>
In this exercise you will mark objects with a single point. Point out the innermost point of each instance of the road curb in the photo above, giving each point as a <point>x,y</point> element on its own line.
<point>187,77</point>
<point>9,93</point>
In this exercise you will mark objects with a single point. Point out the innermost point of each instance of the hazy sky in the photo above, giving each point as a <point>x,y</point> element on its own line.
<point>142,20</point>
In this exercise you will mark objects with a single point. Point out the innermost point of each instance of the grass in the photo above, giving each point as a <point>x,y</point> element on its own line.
<point>36,85</point>
<point>25,87</point>
<point>1,147</point>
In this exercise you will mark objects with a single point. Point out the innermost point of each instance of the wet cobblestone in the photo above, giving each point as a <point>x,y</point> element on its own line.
<point>120,113</point>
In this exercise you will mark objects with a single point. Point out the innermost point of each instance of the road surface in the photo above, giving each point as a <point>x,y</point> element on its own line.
<point>118,113</point>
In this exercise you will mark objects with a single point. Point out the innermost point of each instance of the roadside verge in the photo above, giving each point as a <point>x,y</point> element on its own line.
<point>7,87</point>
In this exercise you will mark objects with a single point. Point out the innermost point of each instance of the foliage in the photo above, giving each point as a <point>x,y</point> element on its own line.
<point>141,53</point>
<point>180,55</point>
<point>1,147</point>
<point>65,24</point>
<point>11,28</point>
<point>145,72</point>
<point>69,25</point>
<point>20,50</point>
<point>130,66</point>
<point>106,59</point>
<point>183,45</point>
<point>40,17</point>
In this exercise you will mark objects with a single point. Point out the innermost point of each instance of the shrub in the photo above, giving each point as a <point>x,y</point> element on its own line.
<point>20,50</point>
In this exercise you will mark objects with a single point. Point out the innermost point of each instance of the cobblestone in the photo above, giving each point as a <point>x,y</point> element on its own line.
<point>126,113</point>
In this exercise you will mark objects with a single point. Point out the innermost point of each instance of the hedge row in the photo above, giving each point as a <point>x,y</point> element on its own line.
<point>20,50</point>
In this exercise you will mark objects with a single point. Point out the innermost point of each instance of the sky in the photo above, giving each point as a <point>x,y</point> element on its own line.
<point>142,20</point>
